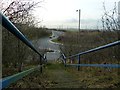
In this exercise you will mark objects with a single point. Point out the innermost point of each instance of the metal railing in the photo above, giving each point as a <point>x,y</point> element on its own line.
<point>64,58</point>
<point>11,27</point>
<point>11,79</point>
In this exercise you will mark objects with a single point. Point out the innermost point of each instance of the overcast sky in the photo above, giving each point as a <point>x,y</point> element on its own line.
<point>62,13</point>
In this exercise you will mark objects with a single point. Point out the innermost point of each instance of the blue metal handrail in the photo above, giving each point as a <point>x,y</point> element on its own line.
<point>64,58</point>
<point>96,49</point>
<point>11,79</point>
<point>11,27</point>
<point>96,65</point>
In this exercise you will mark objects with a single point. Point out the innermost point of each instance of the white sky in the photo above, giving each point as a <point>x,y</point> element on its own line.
<point>62,13</point>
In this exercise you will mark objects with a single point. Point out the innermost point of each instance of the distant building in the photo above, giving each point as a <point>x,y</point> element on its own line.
<point>119,11</point>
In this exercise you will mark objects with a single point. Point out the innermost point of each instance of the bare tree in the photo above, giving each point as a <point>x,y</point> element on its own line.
<point>18,11</point>
<point>110,19</point>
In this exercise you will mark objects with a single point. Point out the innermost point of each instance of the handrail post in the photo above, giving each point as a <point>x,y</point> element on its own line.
<point>40,64</point>
<point>64,58</point>
<point>65,61</point>
<point>78,62</point>
<point>44,56</point>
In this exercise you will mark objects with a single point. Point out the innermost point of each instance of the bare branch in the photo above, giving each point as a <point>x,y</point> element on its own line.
<point>110,20</point>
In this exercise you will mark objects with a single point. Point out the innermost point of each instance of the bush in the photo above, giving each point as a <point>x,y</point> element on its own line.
<point>15,53</point>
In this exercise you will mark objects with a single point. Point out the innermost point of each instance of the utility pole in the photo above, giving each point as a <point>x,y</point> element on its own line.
<point>119,12</point>
<point>78,37</point>
<point>79,18</point>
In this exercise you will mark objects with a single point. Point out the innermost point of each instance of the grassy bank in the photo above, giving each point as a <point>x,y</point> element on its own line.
<point>75,42</point>
<point>56,40</point>
<point>55,75</point>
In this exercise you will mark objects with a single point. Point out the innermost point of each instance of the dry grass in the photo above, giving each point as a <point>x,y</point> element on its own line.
<point>55,75</point>
<point>78,42</point>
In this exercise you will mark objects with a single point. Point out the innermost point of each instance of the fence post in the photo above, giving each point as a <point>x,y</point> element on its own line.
<point>78,62</point>
<point>40,64</point>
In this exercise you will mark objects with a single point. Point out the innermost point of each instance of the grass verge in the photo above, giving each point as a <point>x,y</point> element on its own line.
<point>55,75</point>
